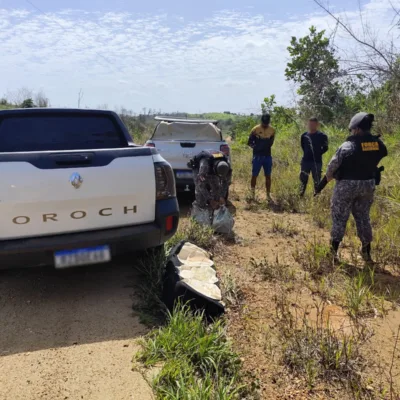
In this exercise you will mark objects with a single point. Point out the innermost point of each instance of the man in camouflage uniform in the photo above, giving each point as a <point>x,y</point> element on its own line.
<point>212,174</point>
<point>355,168</point>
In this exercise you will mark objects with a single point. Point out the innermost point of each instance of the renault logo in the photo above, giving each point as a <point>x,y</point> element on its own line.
<point>76,180</point>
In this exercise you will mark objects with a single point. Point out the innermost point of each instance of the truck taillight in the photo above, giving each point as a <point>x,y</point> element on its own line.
<point>225,149</point>
<point>149,144</point>
<point>165,181</point>
<point>169,224</point>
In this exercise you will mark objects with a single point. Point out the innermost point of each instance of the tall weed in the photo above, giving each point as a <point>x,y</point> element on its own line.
<point>197,359</point>
<point>198,234</point>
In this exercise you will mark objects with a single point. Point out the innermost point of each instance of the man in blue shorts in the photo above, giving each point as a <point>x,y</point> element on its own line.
<point>261,140</point>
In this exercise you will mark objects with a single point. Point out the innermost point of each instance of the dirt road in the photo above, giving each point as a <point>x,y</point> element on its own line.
<point>69,335</point>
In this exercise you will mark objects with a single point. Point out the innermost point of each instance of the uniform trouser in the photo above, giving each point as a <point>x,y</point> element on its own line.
<point>354,197</point>
<point>207,190</point>
<point>202,194</point>
<point>308,167</point>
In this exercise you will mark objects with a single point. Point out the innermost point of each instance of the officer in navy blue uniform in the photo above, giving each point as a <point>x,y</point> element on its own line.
<point>355,168</point>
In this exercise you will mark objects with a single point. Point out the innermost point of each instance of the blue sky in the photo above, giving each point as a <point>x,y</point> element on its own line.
<point>193,10</point>
<point>177,55</point>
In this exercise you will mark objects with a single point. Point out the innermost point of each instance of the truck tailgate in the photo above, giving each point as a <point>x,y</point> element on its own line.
<point>36,199</point>
<point>178,153</point>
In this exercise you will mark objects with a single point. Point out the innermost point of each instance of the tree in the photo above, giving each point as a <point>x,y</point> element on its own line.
<point>377,61</point>
<point>41,100</point>
<point>268,105</point>
<point>18,96</point>
<point>315,68</point>
<point>80,97</point>
<point>27,97</point>
<point>241,129</point>
<point>280,115</point>
<point>27,103</point>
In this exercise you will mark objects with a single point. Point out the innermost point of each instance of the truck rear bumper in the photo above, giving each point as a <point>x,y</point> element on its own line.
<point>183,183</point>
<point>39,251</point>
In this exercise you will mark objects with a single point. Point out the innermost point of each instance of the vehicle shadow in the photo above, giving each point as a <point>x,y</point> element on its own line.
<point>43,308</point>
<point>185,200</point>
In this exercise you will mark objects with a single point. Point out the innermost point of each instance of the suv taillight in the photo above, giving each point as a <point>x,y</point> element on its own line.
<point>150,144</point>
<point>225,149</point>
<point>165,181</point>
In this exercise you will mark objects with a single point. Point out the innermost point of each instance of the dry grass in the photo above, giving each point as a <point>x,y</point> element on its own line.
<point>275,271</point>
<point>285,229</point>
<point>316,258</point>
<point>318,353</point>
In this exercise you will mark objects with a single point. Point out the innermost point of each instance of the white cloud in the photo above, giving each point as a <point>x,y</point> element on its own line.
<point>230,60</point>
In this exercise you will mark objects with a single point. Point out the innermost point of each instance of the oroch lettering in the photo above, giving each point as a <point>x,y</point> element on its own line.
<point>50,217</point>
<point>126,210</point>
<point>21,220</point>
<point>78,214</point>
<point>106,212</point>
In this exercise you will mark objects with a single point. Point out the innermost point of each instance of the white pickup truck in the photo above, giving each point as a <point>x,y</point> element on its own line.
<point>178,140</point>
<point>76,190</point>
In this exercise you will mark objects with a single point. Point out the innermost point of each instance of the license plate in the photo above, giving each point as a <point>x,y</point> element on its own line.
<point>74,258</point>
<point>184,174</point>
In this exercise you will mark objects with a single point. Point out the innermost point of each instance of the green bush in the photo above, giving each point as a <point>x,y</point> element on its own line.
<point>197,359</point>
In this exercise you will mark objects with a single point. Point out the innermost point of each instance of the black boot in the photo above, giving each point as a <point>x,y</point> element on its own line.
<point>366,253</point>
<point>334,250</point>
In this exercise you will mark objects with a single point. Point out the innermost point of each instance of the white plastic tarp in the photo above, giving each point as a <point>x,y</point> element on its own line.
<point>187,131</point>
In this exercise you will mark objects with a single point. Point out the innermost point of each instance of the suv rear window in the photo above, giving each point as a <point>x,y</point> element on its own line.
<point>59,132</point>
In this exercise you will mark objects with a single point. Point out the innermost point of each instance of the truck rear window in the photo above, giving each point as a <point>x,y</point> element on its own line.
<point>59,132</point>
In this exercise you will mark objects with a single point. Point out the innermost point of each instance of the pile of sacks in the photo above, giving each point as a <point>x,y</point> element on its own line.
<point>191,276</point>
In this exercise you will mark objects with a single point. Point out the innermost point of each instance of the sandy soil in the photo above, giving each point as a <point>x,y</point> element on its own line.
<point>69,335</point>
<point>251,323</point>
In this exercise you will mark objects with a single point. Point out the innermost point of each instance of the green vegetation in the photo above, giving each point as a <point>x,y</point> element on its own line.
<point>192,231</point>
<point>315,351</point>
<point>273,271</point>
<point>319,353</point>
<point>284,228</point>
<point>315,67</point>
<point>197,360</point>
<point>359,297</point>
<point>231,291</point>
<point>315,258</point>
<point>150,266</point>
